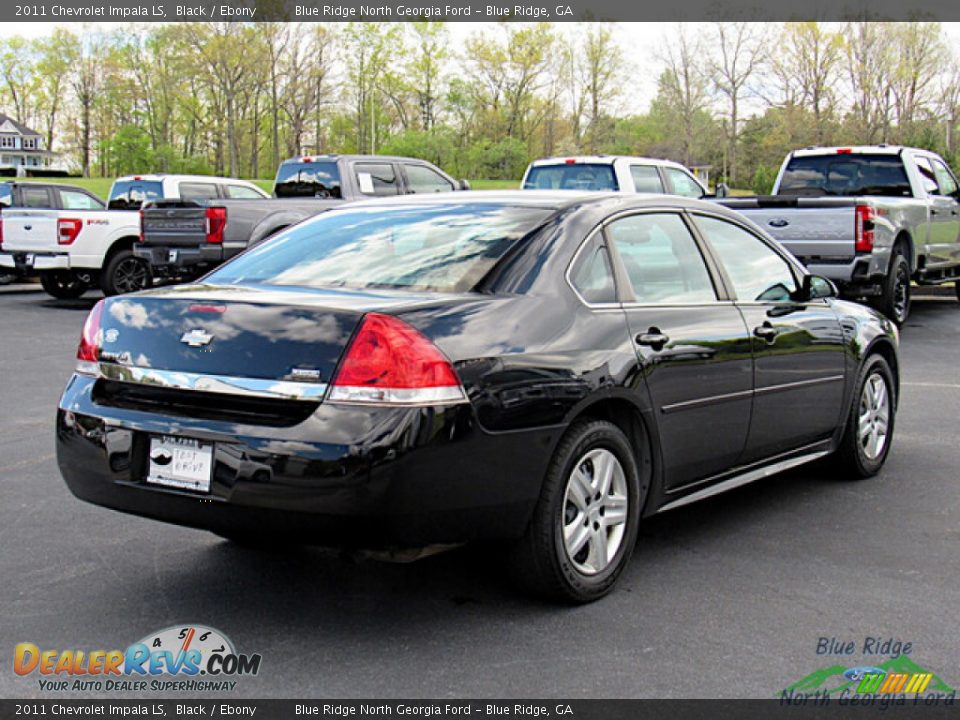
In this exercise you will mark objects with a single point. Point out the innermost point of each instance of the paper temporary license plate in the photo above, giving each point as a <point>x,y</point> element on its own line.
<point>180,462</point>
<point>28,260</point>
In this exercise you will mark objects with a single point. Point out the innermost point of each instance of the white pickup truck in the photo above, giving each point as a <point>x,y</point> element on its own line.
<point>73,249</point>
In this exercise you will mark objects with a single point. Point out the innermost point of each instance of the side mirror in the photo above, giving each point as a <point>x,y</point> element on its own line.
<point>818,288</point>
<point>723,190</point>
<point>463,185</point>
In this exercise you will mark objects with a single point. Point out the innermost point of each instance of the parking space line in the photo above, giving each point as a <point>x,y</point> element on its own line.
<point>949,386</point>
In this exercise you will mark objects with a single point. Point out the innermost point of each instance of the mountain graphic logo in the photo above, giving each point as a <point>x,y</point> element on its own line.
<point>897,675</point>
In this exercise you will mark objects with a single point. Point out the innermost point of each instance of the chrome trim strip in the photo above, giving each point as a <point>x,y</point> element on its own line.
<point>716,399</point>
<point>223,384</point>
<point>798,383</point>
<point>744,479</point>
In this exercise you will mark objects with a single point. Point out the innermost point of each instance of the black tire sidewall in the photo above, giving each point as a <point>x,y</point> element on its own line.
<point>890,289</point>
<point>107,283</point>
<point>853,452</point>
<point>53,285</point>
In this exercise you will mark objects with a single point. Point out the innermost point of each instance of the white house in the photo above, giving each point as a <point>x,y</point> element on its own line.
<point>23,151</point>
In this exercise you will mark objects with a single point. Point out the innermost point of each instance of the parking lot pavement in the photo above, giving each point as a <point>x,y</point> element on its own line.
<point>726,598</point>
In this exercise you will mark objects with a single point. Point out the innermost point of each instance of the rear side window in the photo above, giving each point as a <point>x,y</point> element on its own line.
<point>131,194</point>
<point>242,192</point>
<point>308,179</point>
<point>378,179</point>
<point>198,191</point>
<point>662,259</point>
<point>683,184</point>
<point>73,200</point>
<point>6,195</point>
<point>573,176</point>
<point>442,247</point>
<point>422,179</point>
<point>845,175</point>
<point>948,186</point>
<point>646,179</point>
<point>592,274</point>
<point>35,197</point>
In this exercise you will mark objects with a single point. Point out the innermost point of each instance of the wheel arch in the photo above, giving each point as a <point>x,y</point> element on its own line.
<point>124,242</point>
<point>904,239</point>
<point>883,347</point>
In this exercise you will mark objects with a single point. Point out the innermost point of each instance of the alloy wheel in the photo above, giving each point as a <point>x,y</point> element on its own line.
<point>874,417</point>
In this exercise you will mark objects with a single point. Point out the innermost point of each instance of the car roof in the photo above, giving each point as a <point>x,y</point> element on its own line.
<point>160,177</point>
<point>851,149</point>
<point>601,160</point>
<point>372,158</point>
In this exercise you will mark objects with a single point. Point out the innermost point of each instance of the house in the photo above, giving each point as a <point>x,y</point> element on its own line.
<point>22,151</point>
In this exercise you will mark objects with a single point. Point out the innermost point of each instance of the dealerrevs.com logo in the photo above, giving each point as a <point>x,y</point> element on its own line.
<point>185,658</point>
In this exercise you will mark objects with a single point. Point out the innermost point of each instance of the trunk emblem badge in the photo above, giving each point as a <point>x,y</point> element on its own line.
<point>196,338</point>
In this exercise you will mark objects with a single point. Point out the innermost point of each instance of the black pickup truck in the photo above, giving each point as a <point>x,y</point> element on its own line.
<point>185,238</point>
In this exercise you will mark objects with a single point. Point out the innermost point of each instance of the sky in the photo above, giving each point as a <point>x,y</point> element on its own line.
<point>640,42</point>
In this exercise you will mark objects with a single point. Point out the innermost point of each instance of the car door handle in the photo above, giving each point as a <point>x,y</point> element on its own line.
<point>766,332</point>
<point>653,338</point>
<point>934,211</point>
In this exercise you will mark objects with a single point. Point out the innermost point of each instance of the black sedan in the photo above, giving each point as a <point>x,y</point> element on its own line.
<point>544,369</point>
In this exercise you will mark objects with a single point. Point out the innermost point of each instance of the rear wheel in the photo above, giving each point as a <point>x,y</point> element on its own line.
<point>584,527</point>
<point>63,284</point>
<point>894,300</point>
<point>869,429</point>
<point>125,273</point>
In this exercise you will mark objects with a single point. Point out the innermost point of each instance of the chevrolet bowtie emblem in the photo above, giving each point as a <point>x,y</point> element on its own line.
<point>196,338</point>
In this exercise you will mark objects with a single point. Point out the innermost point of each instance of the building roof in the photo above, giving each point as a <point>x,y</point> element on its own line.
<point>20,127</point>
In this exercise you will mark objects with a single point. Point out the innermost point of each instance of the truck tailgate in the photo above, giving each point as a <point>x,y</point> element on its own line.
<point>812,229</point>
<point>174,223</point>
<point>30,231</point>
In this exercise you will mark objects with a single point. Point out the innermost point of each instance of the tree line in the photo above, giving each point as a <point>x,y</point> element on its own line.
<point>237,98</point>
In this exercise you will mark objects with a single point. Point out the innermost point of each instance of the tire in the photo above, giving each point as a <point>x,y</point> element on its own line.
<point>540,561</point>
<point>62,284</point>
<point>855,455</point>
<point>125,273</point>
<point>894,300</point>
<point>956,289</point>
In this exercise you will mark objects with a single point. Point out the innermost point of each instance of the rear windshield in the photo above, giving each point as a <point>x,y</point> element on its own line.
<point>316,179</point>
<point>131,194</point>
<point>6,195</point>
<point>849,174</point>
<point>438,247</point>
<point>578,176</point>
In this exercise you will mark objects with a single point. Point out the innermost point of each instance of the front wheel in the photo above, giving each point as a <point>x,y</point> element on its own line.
<point>125,273</point>
<point>894,300</point>
<point>869,428</point>
<point>63,284</point>
<point>584,527</point>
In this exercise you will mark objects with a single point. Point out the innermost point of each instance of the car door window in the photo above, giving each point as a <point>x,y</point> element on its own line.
<point>73,200</point>
<point>592,274</point>
<point>945,180</point>
<point>377,179</point>
<point>646,179</point>
<point>683,184</point>
<point>198,191</point>
<point>929,178</point>
<point>35,197</point>
<point>661,259</point>
<point>757,271</point>
<point>241,192</point>
<point>422,179</point>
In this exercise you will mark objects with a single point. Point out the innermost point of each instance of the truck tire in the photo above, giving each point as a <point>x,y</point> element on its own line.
<point>63,284</point>
<point>125,273</point>
<point>894,300</point>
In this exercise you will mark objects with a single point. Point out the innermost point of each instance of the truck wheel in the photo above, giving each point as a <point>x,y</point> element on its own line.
<point>125,273</point>
<point>63,284</point>
<point>894,301</point>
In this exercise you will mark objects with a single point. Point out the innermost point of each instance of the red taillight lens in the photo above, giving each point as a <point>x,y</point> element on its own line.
<point>390,363</point>
<point>864,228</point>
<point>88,352</point>
<point>67,230</point>
<point>216,222</point>
<point>142,239</point>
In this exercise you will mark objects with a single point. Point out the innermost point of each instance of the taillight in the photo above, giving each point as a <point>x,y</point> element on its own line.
<point>88,351</point>
<point>142,238</point>
<point>67,230</point>
<point>390,363</point>
<point>864,228</point>
<point>216,222</point>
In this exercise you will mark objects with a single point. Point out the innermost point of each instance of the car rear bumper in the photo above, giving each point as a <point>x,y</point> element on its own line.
<point>862,272</point>
<point>26,262</point>
<point>174,258</point>
<point>346,476</point>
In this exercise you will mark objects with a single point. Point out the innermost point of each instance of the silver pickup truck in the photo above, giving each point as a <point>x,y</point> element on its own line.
<point>870,218</point>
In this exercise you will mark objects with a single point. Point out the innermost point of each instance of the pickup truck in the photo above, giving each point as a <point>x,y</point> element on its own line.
<point>40,195</point>
<point>74,244</point>
<point>183,239</point>
<point>870,218</point>
<point>613,173</point>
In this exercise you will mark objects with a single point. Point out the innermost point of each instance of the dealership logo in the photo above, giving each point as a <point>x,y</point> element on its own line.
<point>180,657</point>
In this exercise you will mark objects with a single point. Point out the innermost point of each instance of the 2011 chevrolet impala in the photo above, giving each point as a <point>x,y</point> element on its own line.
<point>541,368</point>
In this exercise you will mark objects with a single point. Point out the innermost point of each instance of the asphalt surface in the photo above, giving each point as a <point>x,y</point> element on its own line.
<point>726,598</point>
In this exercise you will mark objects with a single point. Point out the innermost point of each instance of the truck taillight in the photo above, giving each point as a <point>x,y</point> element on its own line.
<point>88,351</point>
<point>67,230</point>
<point>388,362</point>
<point>216,222</point>
<point>864,228</point>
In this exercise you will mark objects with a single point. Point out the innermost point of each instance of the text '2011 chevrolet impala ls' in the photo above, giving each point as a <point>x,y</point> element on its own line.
<point>539,368</point>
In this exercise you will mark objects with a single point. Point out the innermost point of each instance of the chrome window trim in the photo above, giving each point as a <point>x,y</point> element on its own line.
<point>199,382</point>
